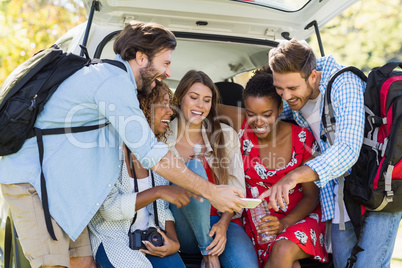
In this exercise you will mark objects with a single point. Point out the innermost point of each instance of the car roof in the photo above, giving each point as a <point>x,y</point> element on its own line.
<point>223,38</point>
<point>263,19</point>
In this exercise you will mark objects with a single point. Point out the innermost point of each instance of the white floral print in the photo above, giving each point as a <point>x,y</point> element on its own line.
<point>301,221</point>
<point>313,236</point>
<point>247,145</point>
<point>292,162</point>
<point>240,133</point>
<point>315,216</point>
<point>291,191</point>
<point>314,148</point>
<point>247,177</point>
<point>286,205</point>
<point>321,239</point>
<point>282,237</point>
<point>261,171</point>
<point>271,173</point>
<point>302,136</point>
<point>301,236</point>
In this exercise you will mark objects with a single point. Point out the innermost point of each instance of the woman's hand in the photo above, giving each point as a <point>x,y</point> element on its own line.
<point>169,247</point>
<point>219,229</point>
<point>176,195</point>
<point>270,225</point>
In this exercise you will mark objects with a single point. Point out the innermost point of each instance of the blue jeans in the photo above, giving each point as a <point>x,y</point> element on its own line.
<point>193,224</point>
<point>342,243</point>
<point>378,240</point>
<point>173,260</point>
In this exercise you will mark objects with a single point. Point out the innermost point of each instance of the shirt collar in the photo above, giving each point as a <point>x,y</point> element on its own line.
<point>129,70</point>
<point>327,65</point>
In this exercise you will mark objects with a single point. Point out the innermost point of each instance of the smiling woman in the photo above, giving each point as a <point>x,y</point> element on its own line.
<point>201,228</point>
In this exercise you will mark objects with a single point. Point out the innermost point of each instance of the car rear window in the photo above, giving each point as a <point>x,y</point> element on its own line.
<point>283,5</point>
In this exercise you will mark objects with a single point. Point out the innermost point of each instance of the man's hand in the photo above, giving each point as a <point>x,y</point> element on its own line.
<point>226,198</point>
<point>280,190</point>
<point>169,247</point>
<point>176,195</point>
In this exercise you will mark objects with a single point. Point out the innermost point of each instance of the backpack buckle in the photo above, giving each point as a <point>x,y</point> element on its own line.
<point>389,196</point>
<point>384,147</point>
<point>377,121</point>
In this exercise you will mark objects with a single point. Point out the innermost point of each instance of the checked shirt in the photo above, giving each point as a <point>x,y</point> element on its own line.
<point>348,104</point>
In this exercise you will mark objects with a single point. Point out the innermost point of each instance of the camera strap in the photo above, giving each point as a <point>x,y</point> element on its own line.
<point>136,190</point>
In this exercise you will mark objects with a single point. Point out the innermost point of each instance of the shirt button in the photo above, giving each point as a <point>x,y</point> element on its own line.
<point>97,204</point>
<point>120,148</point>
<point>110,185</point>
<point>119,166</point>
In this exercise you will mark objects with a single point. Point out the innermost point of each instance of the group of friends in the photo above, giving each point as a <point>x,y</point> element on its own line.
<point>139,172</point>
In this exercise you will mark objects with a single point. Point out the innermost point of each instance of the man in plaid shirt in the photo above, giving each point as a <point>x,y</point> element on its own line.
<point>301,80</point>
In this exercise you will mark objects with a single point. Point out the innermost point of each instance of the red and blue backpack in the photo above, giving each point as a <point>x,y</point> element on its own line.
<point>375,183</point>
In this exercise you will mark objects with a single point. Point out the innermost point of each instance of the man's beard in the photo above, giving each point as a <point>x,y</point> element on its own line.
<point>147,76</point>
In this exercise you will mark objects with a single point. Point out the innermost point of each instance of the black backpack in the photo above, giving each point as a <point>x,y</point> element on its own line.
<point>24,94</point>
<point>375,183</point>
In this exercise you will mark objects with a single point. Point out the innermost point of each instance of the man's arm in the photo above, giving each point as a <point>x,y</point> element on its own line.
<point>348,104</point>
<point>222,197</point>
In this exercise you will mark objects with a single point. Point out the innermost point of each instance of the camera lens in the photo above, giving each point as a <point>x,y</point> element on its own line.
<point>156,239</point>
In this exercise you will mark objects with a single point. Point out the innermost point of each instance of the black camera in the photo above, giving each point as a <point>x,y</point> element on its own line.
<point>151,234</point>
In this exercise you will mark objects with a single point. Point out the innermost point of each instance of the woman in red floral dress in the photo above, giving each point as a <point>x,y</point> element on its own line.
<point>270,149</point>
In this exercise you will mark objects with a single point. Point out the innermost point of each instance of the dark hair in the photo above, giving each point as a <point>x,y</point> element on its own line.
<point>154,97</point>
<point>261,84</point>
<point>292,57</point>
<point>149,38</point>
<point>213,126</point>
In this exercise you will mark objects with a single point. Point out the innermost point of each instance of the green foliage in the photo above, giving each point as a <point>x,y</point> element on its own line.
<point>366,35</point>
<point>27,26</point>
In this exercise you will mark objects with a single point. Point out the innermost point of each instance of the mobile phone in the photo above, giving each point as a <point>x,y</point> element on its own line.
<point>251,202</point>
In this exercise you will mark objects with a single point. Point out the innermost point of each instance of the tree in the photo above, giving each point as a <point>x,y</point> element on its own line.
<point>366,35</point>
<point>27,26</point>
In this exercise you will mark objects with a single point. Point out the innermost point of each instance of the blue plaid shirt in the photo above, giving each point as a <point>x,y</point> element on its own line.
<point>347,100</point>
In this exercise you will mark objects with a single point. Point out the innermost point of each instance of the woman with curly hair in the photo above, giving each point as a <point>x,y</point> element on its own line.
<point>272,148</point>
<point>219,237</point>
<point>127,209</point>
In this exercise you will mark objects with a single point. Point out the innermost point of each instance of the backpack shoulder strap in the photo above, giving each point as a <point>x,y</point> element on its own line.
<point>328,116</point>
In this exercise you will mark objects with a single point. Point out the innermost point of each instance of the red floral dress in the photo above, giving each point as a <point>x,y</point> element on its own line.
<point>308,233</point>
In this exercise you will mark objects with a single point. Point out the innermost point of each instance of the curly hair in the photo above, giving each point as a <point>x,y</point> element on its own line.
<point>262,85</point>
<point>146,104</point>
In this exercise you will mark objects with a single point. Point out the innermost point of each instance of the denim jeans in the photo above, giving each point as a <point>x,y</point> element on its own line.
<point>193,223</point>
<point>174,260</point>
<point>170,261</point>
<point>342,243</point>
<point>378,240</point>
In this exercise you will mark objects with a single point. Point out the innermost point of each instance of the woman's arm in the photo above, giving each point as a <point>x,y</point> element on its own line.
<point>219,229</point>
<point>232,115</point>
<point>170,193</point>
